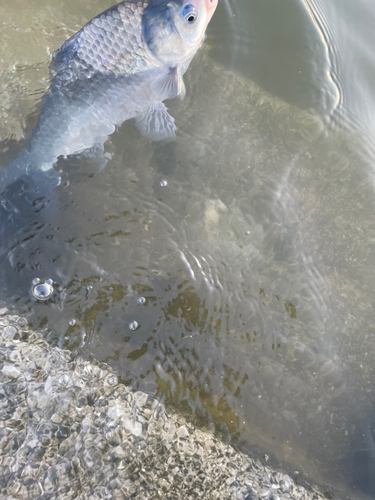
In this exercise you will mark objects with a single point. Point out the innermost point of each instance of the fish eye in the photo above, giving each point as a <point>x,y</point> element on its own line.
<point>189,13</point>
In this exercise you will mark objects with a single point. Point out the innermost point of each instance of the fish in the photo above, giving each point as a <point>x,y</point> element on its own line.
<point>121,65</point>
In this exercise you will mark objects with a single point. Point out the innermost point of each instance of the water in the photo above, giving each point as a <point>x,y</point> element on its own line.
<point>250,240</point>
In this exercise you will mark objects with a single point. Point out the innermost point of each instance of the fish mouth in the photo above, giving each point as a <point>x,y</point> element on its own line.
<point>210,8</point>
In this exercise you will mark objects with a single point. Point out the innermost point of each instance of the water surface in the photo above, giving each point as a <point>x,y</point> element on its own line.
<point>244,252</point>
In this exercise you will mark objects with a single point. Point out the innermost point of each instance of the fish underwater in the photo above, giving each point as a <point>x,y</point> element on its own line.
<point>121,65</point>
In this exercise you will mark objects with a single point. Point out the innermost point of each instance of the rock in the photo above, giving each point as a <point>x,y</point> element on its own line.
<point>85,439</point>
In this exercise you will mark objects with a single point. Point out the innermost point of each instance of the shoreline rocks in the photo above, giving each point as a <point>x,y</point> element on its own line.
<point>70,429</point>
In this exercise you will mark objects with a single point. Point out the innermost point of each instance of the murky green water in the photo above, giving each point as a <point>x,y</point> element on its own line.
<point>251,239</point>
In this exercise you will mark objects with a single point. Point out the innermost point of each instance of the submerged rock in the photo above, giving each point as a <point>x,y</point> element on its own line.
<point>70,429</point>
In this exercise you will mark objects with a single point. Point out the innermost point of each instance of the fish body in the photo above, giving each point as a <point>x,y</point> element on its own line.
<point>122,64</point>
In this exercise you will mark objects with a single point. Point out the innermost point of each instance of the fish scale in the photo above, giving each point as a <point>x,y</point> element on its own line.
<point>111,43</point>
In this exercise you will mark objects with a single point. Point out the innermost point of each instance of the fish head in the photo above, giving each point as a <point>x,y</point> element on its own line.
<point>174,29</point>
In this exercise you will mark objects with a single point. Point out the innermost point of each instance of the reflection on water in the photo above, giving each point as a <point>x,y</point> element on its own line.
<point>231,272</point>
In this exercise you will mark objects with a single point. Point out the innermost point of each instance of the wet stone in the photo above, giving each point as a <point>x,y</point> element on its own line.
<point>11,331</point>
<point>71,430</point>
<point>11,371</point>
<point>182,431</point>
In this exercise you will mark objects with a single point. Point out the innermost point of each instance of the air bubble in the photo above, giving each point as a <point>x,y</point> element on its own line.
<point>247,233</point>
<point>133,325</point>
<point>112,380</point>
<point>42,290</point>
<point>88,289</point>
<point>163,184</point>
<point>141,300</point>
<point>72,322</point>
<point>64,379</point>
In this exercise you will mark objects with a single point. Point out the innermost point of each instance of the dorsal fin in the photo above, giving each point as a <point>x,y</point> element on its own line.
<point>67,50</point>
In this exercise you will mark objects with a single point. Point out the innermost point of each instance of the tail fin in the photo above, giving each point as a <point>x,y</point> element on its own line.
<point>20,184</point>
<point>16,169</point>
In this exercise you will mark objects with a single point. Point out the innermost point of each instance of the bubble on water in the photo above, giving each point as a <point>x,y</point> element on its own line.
<point>88,289</point>
<point>42,290</point>
<point>163,184</point>
<point>133,325</point>
<point>72,322</point>
<point>64,379</point>
<point>141,300</point>
<point>112,380</point>
<point>247,233</point>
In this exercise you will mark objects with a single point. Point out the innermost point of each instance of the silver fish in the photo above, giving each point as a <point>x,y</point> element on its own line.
<point>123,64</point>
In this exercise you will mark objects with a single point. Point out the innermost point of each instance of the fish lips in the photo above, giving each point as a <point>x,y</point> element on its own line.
<point>210,8</point>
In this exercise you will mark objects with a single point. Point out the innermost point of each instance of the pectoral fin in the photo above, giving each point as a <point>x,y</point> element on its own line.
<point>182,92</point>
<point>157,124</point>
<point>170,85</point>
